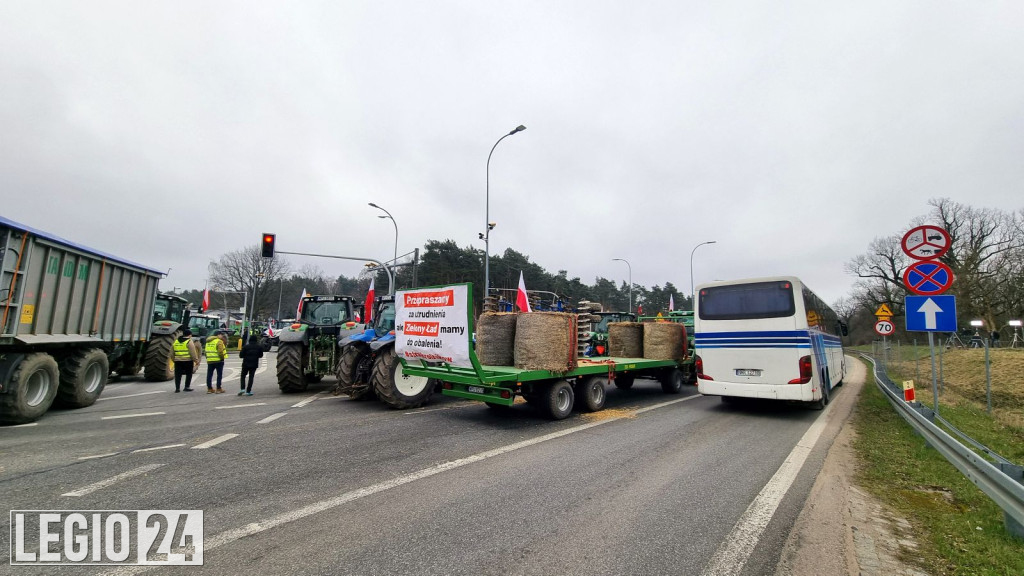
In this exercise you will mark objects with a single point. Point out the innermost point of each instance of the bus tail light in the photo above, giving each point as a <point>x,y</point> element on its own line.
<point>699,366</point>
<point>805,371</point>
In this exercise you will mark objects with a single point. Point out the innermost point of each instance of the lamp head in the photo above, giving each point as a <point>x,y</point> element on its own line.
<point>374,205</point>
<point>977,323</point>
<point>1015,323</point>
<point>519,128</point>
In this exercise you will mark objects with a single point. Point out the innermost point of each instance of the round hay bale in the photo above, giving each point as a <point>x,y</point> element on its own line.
<point>663,341</point>
<point>626,339</point>
<point>546,341</point>
<point>495,338</point>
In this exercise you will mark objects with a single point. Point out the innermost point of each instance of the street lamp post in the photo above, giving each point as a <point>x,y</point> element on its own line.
<point>693,297</point>
<point>630,281</point>
<point>395,261</point>
<point>487,215</point>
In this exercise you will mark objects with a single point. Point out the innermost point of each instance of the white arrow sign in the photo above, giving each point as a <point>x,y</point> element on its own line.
<point>930,309</point>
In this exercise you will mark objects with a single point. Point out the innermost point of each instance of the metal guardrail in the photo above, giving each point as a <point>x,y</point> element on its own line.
<point>1005,490</point>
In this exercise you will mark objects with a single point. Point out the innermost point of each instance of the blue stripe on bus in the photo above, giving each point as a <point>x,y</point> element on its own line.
<point>763,339</point>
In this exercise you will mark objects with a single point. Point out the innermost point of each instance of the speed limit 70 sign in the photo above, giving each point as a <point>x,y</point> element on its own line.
<point>884,327</point>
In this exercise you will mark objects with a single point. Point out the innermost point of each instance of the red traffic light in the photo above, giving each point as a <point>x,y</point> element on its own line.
<point>268,245</point>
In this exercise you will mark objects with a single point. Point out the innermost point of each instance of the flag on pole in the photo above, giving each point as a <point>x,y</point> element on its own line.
<point>521,301</point>
<point>206,300</point>
<point>368,305</point>
<point>671,302</point>
<point>298,311</point>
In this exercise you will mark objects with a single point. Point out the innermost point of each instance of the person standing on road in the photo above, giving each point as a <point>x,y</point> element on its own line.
<point>216,353</point>
<point>185,360</point>
<point>250,354</point>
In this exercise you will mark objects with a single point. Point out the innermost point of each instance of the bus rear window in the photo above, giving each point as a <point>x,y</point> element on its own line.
<point>747,301</point>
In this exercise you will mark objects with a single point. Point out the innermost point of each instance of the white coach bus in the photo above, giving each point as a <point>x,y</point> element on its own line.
<point>767,338</point>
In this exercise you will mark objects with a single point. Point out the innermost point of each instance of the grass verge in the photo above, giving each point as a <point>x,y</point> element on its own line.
<point>961,530</point>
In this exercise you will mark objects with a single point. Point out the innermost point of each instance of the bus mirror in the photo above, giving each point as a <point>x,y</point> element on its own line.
<point>843,329</point>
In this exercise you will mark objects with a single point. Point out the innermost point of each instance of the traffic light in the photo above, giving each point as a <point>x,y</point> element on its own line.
<point>268,245</point>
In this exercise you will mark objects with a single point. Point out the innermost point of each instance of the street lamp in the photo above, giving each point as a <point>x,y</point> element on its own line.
<point>488,226</point>
<point>693,297</point>
<point>395,261</point>
<point>630,281</point>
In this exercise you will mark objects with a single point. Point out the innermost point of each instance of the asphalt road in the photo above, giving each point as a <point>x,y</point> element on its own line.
<point>309,483</point>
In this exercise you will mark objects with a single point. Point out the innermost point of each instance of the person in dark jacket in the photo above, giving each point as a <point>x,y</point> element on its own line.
<point>250,354</point>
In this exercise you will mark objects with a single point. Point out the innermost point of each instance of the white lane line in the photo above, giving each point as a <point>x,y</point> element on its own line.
<point>98,456</point>
<point>157,448</point>
<point>240,405</point>
<point>133,415</point>
<point>109,481</point>
<point>131,395</point>
<point>271,418</point>
<point>732,555</point>
<point>307,400</point>
<point>25,425</point>
<point>214,442</point>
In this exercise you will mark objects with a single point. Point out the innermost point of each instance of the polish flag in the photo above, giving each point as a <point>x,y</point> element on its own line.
<point>671,302</point>
<point>206,300</point>
<point>298,311</point>
<point>521,301</point>
<point>368,305</point>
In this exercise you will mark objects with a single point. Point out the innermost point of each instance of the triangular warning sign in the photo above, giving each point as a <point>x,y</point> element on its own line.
<point>883,310</point>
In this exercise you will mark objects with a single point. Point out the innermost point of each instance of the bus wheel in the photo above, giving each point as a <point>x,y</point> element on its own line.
<point>558,400</point>
<point>820,404</point>
<point>591,393</point>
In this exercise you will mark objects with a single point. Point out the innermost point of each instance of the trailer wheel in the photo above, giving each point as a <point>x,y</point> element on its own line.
<point>35,386</point>
<point>82,378</point>
<point>289,368</point>
<point>394,387</point>
<point>558,400</point>
<point>590,392</point>
<point>624,381</point>
<point>159,358</point>
<point>348,372</point>
<point>672,381</point>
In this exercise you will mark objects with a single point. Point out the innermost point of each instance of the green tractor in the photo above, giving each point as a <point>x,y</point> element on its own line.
<point>170,313</point>
<point>308,349</point>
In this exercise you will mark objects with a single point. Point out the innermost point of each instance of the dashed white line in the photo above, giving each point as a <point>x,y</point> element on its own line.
<point>214,442</point>
<point>157,448</point>
<point>133,415</point>
<point>131,395</point>
<point>98,456</point>
<point>307,400</point>
<point>271,418</point>
<point>109,481</point>
<point>25,425</point>
<point>240,405</point>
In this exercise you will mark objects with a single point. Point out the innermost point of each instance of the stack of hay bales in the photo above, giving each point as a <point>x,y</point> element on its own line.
<point>546,341</point>
<point>663,341</point>
<point>495,338</point>
<point>626,340</point>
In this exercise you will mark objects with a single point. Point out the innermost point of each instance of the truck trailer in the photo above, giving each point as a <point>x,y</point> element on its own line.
<point>68,313</point>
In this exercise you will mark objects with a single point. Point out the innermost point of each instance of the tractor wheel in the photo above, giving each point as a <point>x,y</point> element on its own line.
<point>346,372</point>
<point>672,381</point>
<point>159,358</point>
<point>289,368</point>
<point>557,400</point>
<point>396,389</point>
<point>590,392</point>
<point>35,386</point>
<point>82,378</point>
<point>624,381</point>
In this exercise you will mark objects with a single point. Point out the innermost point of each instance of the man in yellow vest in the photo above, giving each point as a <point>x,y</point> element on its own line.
<point>216,352</point>
<point>185,360</point>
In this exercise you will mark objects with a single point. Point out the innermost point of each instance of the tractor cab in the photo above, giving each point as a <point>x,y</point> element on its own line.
<point>170,308</point>
<point>203,326</point>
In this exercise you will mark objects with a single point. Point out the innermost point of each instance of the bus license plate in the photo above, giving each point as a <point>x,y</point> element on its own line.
<point>476,389</point>
<point>747,372</point>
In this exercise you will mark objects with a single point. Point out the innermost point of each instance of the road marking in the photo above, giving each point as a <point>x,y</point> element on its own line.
<point>157,448</point>
<point>25,425</point>
<point>109,481</point>
<point>131,395</point>
<point>271,418</point>
<point>214,442</point>
<point>456,407</point>
<point>307,400</point>
<point>98,456</point>
<point>732,554</point>
<point>133,415</point>
<point>240,405</point>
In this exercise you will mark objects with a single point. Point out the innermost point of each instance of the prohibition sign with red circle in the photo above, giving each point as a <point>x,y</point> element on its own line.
<point>928,278</point>
<point>926,242</point>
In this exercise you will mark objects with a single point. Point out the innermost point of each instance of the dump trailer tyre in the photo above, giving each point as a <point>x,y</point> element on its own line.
<point>672,381</point>
<point>82,378</point>
<point>557,400</point>
<point>159,359</point>
<point>346,372</point>
<point>35,386</point>
<point>394,387</point>
<point>289,368</point>
<point>624,381</point>
<point>590,393</point>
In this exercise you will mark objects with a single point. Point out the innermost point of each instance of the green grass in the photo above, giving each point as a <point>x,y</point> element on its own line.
<point>959,529</point>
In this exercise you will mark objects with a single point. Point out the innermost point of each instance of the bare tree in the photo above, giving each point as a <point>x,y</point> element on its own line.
<point>246,270</point>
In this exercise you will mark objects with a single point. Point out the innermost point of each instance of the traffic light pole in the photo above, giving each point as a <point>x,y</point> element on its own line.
<point>391,276</point>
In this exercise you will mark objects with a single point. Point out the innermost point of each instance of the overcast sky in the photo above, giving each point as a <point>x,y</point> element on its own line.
<point>792,133</point>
